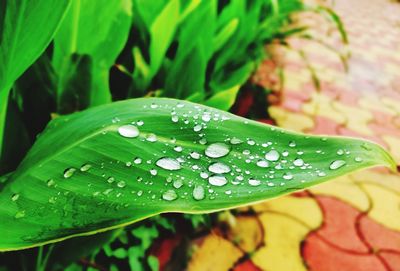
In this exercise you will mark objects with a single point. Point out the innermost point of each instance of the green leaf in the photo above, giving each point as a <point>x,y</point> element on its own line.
<point>153,263</point>
<point>112,165</point>
<point>224,99</point>
<point>95,31</point>
<point>161,21</point>
<point>225,34</point>
<point>27,28</point>
<point>187,73</point>
<point>69,251</point>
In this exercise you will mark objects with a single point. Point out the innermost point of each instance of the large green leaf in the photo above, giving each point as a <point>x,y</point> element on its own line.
<point>89,40</point>
<point>115,164</point>
<point>27,26</point>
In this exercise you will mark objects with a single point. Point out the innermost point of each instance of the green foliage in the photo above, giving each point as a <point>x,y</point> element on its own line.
<point>85,47</point>
<point>116,164</point>
<point>210,66</point>
<point>27,27</point>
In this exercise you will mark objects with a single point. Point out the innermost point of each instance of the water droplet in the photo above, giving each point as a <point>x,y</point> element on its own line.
<point>254,182</point>
<point>298,162</point>
<point>251,142</point>
<point>206,117</point>
<point>178,148</point>
<point>203,141</point>
<point>337,164</point>
<point>153,172</point>
<point>15,197</point>
<point>217,180</point>
<point>198,192</point>
<point>287,176</point>
<point>366,147</point>
<point>180,105</point>
<point>235,141</point>
<point>175,118</point>
<point>217,150</point>
<point>151,137</point>
<point>85,167</point>
<point>169,195</point>
<point>140,122</point>
<point>110,179</point>
<point>69,172</point>
<point>272,155</point>
<point>358,159</point>
<point>137,161</point>
<point>154,105</point>
<point>219,168</point>
<point>292,144</point>
<point>121,184</point>
<point>177,183</point>
<point>50,182</point>
<point>20,214</point>
<point>129,131</point>
<point>340,152</point>
<point>262,163</point>
<point>321,174</point>
<point>168,163</point>
<point>195,155</point>
<point>204,175</point>
<point>197,128</point>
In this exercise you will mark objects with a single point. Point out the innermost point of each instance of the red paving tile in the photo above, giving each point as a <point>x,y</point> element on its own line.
<point>377,236</point>
<point>247,266</point>
<point>392,260</point>
<point>320,256</point>
<point>339,228</point>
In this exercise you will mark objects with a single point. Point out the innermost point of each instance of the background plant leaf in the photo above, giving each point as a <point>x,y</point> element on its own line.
<point>92,171</point>
<point>85,47</point>
<point>27,28</point>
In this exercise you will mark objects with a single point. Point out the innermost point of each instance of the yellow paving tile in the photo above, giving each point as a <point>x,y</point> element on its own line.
<point>304,209</point>
<point>293,121</point>
<point>369,102</point>
<point>247,233</point>
<point>394,146</point>
<point>389,180</point>
<point>321,105</point>
<point>392,69</point>
<point>278,113</point>
<point>385,206</point>
<point>392,103</point>
<point>204,258</point>
<point>297,122</point>
<point>344,189</point>
<point>357,119</point>
<point>283,237</point>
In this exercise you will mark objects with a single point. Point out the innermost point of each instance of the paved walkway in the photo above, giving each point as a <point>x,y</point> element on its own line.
<point>352,223</point>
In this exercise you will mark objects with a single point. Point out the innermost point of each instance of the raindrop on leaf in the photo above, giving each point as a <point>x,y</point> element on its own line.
<point>219,168</point>
<point>169,195</point>
<point>128,131</point>
<point>168,163</point>
<point>217,150</point>
<point>337,164</point>
<point>217,180</point>
<point>69,172</point>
